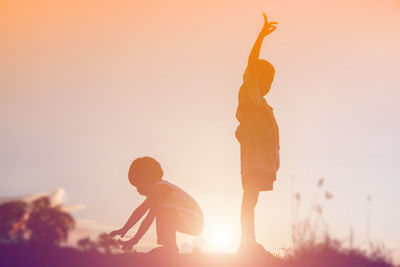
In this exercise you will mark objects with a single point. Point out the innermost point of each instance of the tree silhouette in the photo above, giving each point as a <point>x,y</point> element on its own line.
<point>10,214</point>
<point>48,225</point>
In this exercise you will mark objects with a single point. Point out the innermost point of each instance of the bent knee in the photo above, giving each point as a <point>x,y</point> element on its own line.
<point>193,226</point>
<point>198,227</point>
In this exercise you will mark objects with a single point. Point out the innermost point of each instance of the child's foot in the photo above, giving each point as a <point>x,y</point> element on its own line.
<point>252,248</point>
<point>166,250</point>
<point>254,254</point>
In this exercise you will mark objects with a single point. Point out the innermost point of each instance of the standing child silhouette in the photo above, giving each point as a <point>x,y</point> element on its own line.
<point>258,137</point>
<point>172,208</point>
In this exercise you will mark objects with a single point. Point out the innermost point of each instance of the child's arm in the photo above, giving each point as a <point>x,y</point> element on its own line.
<point>157,196</point>
<point>144,226</point>
<point>133,219</point>
<point>249,78</point>
<point>267,29</point>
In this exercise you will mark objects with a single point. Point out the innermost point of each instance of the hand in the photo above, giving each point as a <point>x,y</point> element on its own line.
<point>128,245</point>
<point>121,232</point>
<point>268,26</point>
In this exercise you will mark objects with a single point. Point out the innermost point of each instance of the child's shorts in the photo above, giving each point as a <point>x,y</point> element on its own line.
<point>169,221</point>
<point>258,167</point>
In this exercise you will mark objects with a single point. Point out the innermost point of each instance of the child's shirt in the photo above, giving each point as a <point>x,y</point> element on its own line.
<point>179,200</point>
<point>258,132</point>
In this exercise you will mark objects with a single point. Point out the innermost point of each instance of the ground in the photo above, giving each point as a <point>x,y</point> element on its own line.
<point>34,255</point>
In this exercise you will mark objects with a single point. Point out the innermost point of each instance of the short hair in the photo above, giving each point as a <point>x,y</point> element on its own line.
<point>149,166</point>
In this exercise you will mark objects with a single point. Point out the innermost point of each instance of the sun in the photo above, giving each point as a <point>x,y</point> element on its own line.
<point>220,239</point>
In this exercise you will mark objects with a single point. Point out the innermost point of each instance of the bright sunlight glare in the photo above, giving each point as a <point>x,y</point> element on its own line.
<point>220,239</point>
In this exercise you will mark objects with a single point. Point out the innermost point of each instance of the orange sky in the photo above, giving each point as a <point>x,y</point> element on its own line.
<point>89,85</point>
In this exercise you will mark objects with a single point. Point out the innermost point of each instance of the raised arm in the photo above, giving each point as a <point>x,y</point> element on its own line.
<point>267,29</point>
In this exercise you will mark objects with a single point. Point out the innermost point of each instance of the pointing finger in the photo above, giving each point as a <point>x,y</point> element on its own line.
<point>265,18</point>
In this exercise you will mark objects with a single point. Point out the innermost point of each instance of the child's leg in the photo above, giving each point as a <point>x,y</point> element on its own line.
<point>166,224</point>
<point>190,224</point>
<point>249,201</point>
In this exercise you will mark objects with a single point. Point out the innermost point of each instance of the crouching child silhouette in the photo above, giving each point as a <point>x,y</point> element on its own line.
<point>172,208</point>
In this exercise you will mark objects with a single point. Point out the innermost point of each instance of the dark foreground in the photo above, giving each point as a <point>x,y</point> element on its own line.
<point>34,255</point>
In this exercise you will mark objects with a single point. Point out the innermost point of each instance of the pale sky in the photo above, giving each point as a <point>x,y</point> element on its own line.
<point>87,86</point>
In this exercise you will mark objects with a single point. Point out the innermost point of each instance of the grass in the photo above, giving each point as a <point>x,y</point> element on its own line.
<point>324,255</point>
<point>312,247</point>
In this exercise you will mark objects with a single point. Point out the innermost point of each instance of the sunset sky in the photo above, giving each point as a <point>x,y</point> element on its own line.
<point>87,86</point>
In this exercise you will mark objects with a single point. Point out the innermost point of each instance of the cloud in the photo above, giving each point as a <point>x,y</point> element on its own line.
<point>77,207</point>
<point>57,197</point>
<point>27,198</point>
<point>93,225</point>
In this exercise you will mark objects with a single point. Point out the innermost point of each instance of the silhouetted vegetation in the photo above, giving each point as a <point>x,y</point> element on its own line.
<point>30,235</point>
<point>86,244</point>
<point>27,254</point>
<point>10,214</point>
<point>313,244</point>
<point>37,222</point>
<point>104,243</point>
<point>311,229</point>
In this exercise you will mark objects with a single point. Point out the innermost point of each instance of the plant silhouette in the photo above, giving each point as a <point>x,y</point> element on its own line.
<point>48,225</point>
<point>10,214</point>
<point>38,222</point>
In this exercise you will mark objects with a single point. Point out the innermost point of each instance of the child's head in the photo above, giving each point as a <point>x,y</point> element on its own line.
<point>263,74</point>
<point>143,173</point>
